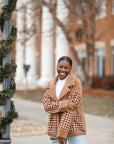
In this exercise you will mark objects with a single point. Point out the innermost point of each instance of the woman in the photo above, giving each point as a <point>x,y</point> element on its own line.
<point>63,101</point>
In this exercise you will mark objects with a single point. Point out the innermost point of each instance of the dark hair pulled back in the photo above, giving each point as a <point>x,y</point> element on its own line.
<point>68,59</point>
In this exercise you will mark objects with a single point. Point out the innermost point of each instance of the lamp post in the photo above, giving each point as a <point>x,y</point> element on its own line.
<point>26,69</point>
<point>6,81</point>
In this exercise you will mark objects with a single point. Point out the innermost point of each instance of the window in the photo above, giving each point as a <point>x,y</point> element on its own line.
<point>78,21</point>
<point>100,62</point>
<point>78,16</point>
<point>37,26</point>
<point>101,5</point>
<point>78,12</point>
<point>79,34</point>
<point>113,60</point>
<point>82,55</point>
<point>113,6</point>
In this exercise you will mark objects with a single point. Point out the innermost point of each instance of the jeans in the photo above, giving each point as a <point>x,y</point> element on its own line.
<point>78,139</point>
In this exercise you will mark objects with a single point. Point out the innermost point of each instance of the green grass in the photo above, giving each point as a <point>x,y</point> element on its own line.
<point>32,96</point>
<point>103,106</point>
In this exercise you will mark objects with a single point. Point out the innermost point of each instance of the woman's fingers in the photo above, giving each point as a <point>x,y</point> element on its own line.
<point>61,140</point>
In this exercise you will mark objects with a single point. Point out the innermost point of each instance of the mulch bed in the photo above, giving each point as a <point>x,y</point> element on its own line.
<point>22,127</point>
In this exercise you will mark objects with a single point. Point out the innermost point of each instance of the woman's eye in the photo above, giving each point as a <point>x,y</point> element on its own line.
<point>60,66</point>
<point>63,67</point>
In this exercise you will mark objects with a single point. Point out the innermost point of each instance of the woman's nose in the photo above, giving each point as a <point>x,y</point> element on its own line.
<point>63,69</point>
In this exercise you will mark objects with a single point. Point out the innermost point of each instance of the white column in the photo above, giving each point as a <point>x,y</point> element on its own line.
<point>30,48</point>
<point>62,47</point>
<point>46,48</point>
<point>20,76</point>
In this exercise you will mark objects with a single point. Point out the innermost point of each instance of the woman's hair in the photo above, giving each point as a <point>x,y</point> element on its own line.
<point>68,59</point>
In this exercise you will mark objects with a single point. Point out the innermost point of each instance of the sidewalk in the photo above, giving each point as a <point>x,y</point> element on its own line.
<point>42,139</point>
<point>100,130</point>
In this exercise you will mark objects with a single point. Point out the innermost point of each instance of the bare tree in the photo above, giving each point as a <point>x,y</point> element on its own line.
<point>86,11</point>
<point>87,14</point>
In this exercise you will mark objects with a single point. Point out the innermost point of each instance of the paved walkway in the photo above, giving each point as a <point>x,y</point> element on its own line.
<point>43,139</point>
<point>100,130</point>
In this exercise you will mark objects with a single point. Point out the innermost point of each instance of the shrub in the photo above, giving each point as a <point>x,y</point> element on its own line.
<point>96,82</point>
<point>103,83</point>
<point>112,83</point>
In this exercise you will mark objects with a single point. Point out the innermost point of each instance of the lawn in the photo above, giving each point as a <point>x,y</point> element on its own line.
<point>103,106</point>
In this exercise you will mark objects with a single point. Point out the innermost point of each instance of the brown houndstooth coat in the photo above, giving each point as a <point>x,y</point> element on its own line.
<point>62,121</point>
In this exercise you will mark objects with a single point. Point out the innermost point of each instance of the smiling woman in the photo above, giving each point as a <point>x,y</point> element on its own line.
<point>64,67</point>
<point>63,101</point>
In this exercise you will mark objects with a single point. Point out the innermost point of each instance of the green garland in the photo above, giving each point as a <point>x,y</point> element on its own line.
<point>8,119</point>
<point>6,45</point>
<point>7,93</point>
<point>5,71</point>
<point>7,12</point>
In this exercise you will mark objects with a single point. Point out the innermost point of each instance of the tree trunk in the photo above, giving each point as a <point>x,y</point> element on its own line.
<point>89,29</point>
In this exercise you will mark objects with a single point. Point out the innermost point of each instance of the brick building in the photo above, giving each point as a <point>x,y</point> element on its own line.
<point>48,47</point>
<point>104,41</point>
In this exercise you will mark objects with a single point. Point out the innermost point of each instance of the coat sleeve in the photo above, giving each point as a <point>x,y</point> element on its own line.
<point>67,118</point>
<point>52,106</point>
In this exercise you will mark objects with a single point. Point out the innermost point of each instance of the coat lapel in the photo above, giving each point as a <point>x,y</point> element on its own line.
<point>66,89</point>
<point>52,89</point>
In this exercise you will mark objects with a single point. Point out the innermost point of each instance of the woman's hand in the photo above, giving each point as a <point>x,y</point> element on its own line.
<point>61,140</point>
<point>71,105</point>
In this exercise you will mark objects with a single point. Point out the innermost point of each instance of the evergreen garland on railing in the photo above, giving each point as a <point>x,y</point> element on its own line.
<point>7,93</point>
<point>7,12</point>
<point>5,71</point>
<point>7,44</point>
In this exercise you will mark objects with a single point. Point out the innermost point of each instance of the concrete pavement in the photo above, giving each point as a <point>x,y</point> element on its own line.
<point>31,110</point>
<point>100,130</point>
<point>42,139</point>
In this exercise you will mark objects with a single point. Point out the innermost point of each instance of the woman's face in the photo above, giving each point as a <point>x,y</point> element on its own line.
<point>63,69</point>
